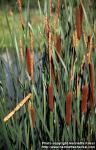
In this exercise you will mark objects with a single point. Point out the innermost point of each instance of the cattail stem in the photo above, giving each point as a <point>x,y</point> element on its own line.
<point>50,46</point>
<point>52,71</point>
<point>19,3</point>
<point>84,99</point>
<point>50,7</point>
<point>21,49</point>
<point>68,107</point>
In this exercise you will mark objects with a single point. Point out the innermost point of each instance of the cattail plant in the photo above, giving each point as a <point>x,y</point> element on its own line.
<point>32,114</point>
<point>92,83</point>
<point>19,3</point>
<point>30,62</point>
<point>50,97</point>
<point>84,99</point>
<point>75,40</point>
<point>68,107</point>
<point>79,17</point>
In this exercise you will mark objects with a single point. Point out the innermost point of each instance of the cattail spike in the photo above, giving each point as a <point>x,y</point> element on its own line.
<point>50,97</point>
<point>32,113</point>
<point>30,62</point>
<point>79,17</point>
<point>92,83</point>
<point>84,99</point>
<point>68,107</point>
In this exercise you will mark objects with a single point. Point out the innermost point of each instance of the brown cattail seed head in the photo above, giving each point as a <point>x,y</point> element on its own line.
<point>32,112</point>
<point>68,107</point>
<point>50,97</point>
<point>92,83</point>
<point>79,16</point>
<point>84,99</point>
<point>30,62</point>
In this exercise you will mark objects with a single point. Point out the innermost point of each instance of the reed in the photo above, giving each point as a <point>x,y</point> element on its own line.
<point>68,108</point>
